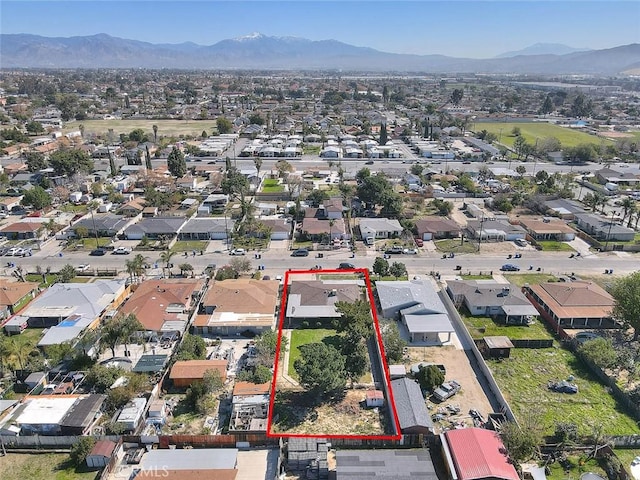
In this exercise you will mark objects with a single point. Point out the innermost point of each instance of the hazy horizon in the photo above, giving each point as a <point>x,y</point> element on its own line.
<point>472,29</point>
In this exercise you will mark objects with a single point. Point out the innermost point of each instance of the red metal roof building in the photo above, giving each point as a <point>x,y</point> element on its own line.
<point>475,454</point>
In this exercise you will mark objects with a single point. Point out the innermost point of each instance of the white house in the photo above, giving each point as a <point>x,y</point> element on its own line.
<point>380,227</point>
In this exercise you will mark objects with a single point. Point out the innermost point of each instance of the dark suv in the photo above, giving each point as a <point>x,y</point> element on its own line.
<point>98,252</point>
<point>346,266</point>
<point>301,252</point>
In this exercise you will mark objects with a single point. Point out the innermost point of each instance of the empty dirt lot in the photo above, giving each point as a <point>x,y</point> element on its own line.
<point>458,368</point>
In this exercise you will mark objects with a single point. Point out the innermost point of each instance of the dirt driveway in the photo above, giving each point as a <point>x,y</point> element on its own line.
<point>459,369</point>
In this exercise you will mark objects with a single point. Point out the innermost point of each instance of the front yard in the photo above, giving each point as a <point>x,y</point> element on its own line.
<point>453,246</point>
<point>523,379</point>
<point>553,246</point>
<point>190,246</point>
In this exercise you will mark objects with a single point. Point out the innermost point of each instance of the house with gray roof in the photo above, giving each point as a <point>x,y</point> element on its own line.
<point>419,307</point>
<point>380,228</point>
<point>564,208</point>
<point>495,230</point>
<point>604,229</point>
<point>387,464</point>
<point>503,302</point>
<point>206,229</point>
<point>316,299</point>
<point>155,227</point>
<point>103,224</point>
<point>413,415</point>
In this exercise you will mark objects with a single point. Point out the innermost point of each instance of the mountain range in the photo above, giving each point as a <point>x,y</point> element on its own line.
<point>257,51</point>
<point>543,49</point>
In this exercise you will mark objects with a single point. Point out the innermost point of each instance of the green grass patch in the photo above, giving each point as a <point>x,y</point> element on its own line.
<point>72,208</point>
<point>553,246</point>
<point>523,379</point>
<point>81,280</point>
<point>88,243</point>
<point>302,244</point>
<point>626,455</point>
<point>521,279</point>
<point>485,327</point>
<point>49,466</point>
<point>271,185</point>
<point>250,243</point>
<point>311,149</point>
<point>453,245</point>
<point>577,465</point>
<point>190,245</point>
<point>165,127</point>
<point>530,131</point>
<point>304,336</point>
<point>34,277</point>
<point>23,303</point>
<point>477,277</point>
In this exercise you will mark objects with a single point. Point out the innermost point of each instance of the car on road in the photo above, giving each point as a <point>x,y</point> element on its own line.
<point>14,251</point>
<point>301,252</point>
<point>98,252</point>
<point>395,250</point>
<point>122,251</point>
<point>510,267</point>
<point>346,266</point>
<point>446,390</point>
<point>370,162</point>
<point>238,251</point>
<point>83,267</point>
<point>410,251</point>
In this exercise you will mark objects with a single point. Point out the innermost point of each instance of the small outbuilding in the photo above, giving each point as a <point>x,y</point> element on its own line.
<point>497,346</point>
<point>374,398</point>
<point>100,454</point>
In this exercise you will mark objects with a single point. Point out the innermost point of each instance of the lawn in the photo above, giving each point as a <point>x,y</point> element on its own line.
<point>190,246</point>
<point>521,279</point>
<point>523,379</point>
<point>34,277</point>
<point>311,149</point>
<point>302,337</point>
<point>453,245</point>
<point>530,131</point>
<point>88,243</point>
<point>576,466</point>
<point>477,277</point>
<point>271,185</point>
<point>43,466</point>
<point>485,327</point>
<point>553,246</point>
<point>165,127</point>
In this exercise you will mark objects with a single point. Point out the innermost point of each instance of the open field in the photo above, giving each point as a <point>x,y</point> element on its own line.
<point>523,380</point>
<point>302,337</point>
<point>296,414</point>
<point>530,131</point>
<point>165,127</point>
<point>43,466</point>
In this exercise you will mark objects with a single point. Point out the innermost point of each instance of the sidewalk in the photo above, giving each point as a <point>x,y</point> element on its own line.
<point>283,370</point>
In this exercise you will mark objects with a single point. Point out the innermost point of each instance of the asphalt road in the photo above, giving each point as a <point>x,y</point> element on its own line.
<point>277,261</point>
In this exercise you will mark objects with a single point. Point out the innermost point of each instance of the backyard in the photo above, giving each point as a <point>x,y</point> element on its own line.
<point>484,326</point>
<point>539,130</point>
<point>302,337</point>
<point>272,185</point>
<point>43,466</point>
<point>523,378</point>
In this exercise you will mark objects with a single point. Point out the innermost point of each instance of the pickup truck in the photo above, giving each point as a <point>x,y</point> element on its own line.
<point>446,390</point>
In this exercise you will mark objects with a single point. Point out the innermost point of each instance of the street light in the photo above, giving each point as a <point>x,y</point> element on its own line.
<point>606,243</point>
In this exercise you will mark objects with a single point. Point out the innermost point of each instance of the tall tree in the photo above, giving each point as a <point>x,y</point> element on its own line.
<point>35,161</point>
<point>321,369</point>
<point>626,295</point>
<point>37,197</point>
<point>176,163</point>
<point>155,133</point>
<point>456,96</point>
<point>258,164</point>
<point>383,134</point>
<point>70,161</point>
<point>547,106</point>
<point>147,158</point>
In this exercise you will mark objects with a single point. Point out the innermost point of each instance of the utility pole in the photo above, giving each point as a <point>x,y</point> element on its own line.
<point>606,243</point>
<point>480,234</point>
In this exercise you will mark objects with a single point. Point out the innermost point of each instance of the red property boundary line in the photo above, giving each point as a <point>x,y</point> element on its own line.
<point>385,368</point>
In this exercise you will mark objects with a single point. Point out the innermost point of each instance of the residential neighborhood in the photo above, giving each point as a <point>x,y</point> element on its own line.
<point>257,276</point>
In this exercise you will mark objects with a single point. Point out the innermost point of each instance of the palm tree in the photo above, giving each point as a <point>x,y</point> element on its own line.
<point>155,133</point>
<point>19,352</point>
<point>129,325</point>
<point>166,258</point>
<point>258,164</point>
<point>135,266</point>
<point>627,207</point>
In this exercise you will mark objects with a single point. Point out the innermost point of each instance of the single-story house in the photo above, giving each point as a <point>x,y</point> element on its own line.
<point>602,228</point>
<point>132,414</point>
<point>9,203</point>
<point>495,230</point>
<point>234,306</point>
<point>100,454</point>
<point>280,228</point>
<point>22,230</point>
<point>503,302</point>
<point>380,228</point>
<point>155,227</point>
<point>548,229</point>
<point>15,294</point>
<point>206,229</point>
<point>185,372</point>
<point>105,224</point>
<point>413,415</point>
<point>608,175</point>
<point>133,207</point>
<point>315,229</point>
<point>163,305</point>
<point>476,454</point>
<point>385,464</point>
<point>316,299</point>
<point>577,304</point>
<point>83,415</point>
<point>434,228</point>
<point>564,208</point>
<point>189,464</point>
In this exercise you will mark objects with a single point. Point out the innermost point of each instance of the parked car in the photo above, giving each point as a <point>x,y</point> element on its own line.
<point>14,251</point>
<point>419,242</point>
<point>122,251</point>
<point>83,267</point>
<point>521,242</point>
<point>410,251</point>
<point>238,251</point>
<point>346,266</point>
<point>446,390</point>
<point>395,250</point>
<point>510,267</point>
<point>98,252</point>
<point>301,252</point>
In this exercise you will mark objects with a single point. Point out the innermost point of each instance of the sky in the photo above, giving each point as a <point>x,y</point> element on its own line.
<point>473,29</point>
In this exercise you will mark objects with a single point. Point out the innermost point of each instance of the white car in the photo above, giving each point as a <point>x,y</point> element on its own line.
<point>83,267</point>
<point>238,251</point>
<point>410,251</point>
<point>122,251</point>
